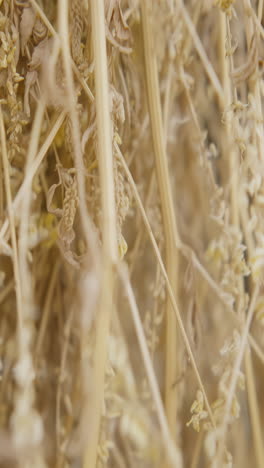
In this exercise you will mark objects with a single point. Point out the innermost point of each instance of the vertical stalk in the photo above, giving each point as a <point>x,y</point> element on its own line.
<point>169,220</point>
<point>254,88</point>
<point>11,216</point>
<point>24,395</point>
<point>236,210</point>
<point>105,160</point>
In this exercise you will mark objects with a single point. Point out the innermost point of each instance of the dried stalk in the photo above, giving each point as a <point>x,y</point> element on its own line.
<point>169,219</point>
<point>235,212</point>
<point>109,235</point>
<point>11,221</point>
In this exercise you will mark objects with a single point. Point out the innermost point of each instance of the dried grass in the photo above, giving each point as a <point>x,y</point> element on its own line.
<point>132,233</point>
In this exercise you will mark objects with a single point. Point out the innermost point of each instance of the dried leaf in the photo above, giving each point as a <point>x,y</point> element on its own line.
<point>27,22</point>
<point>40,54</point>
<point>50,195</point>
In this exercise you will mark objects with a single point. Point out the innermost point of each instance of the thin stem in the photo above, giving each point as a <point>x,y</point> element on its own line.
<point>109,235</point>
<point>28,330</point>
<point>46,311</point>
<point>167,208</point>
<point>236,210</point>
<point>55,34</point>
<point>11,218</point>
<point>168,284</point>
<point>201,52</point>
<point>260,9</point>
<point>25,211</point>
<point>167,439</point>
<point>34,168</point>
<point>91,238</point>
<point>234,377</point>
<point>254,409</point>
<point>254,88</point>
<point>187,251</point>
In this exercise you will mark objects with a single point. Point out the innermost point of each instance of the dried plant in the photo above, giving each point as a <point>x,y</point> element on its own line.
<point>131,233</point>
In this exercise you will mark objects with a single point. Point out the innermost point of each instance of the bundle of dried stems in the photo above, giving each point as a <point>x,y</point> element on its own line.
<point>131,233</point>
